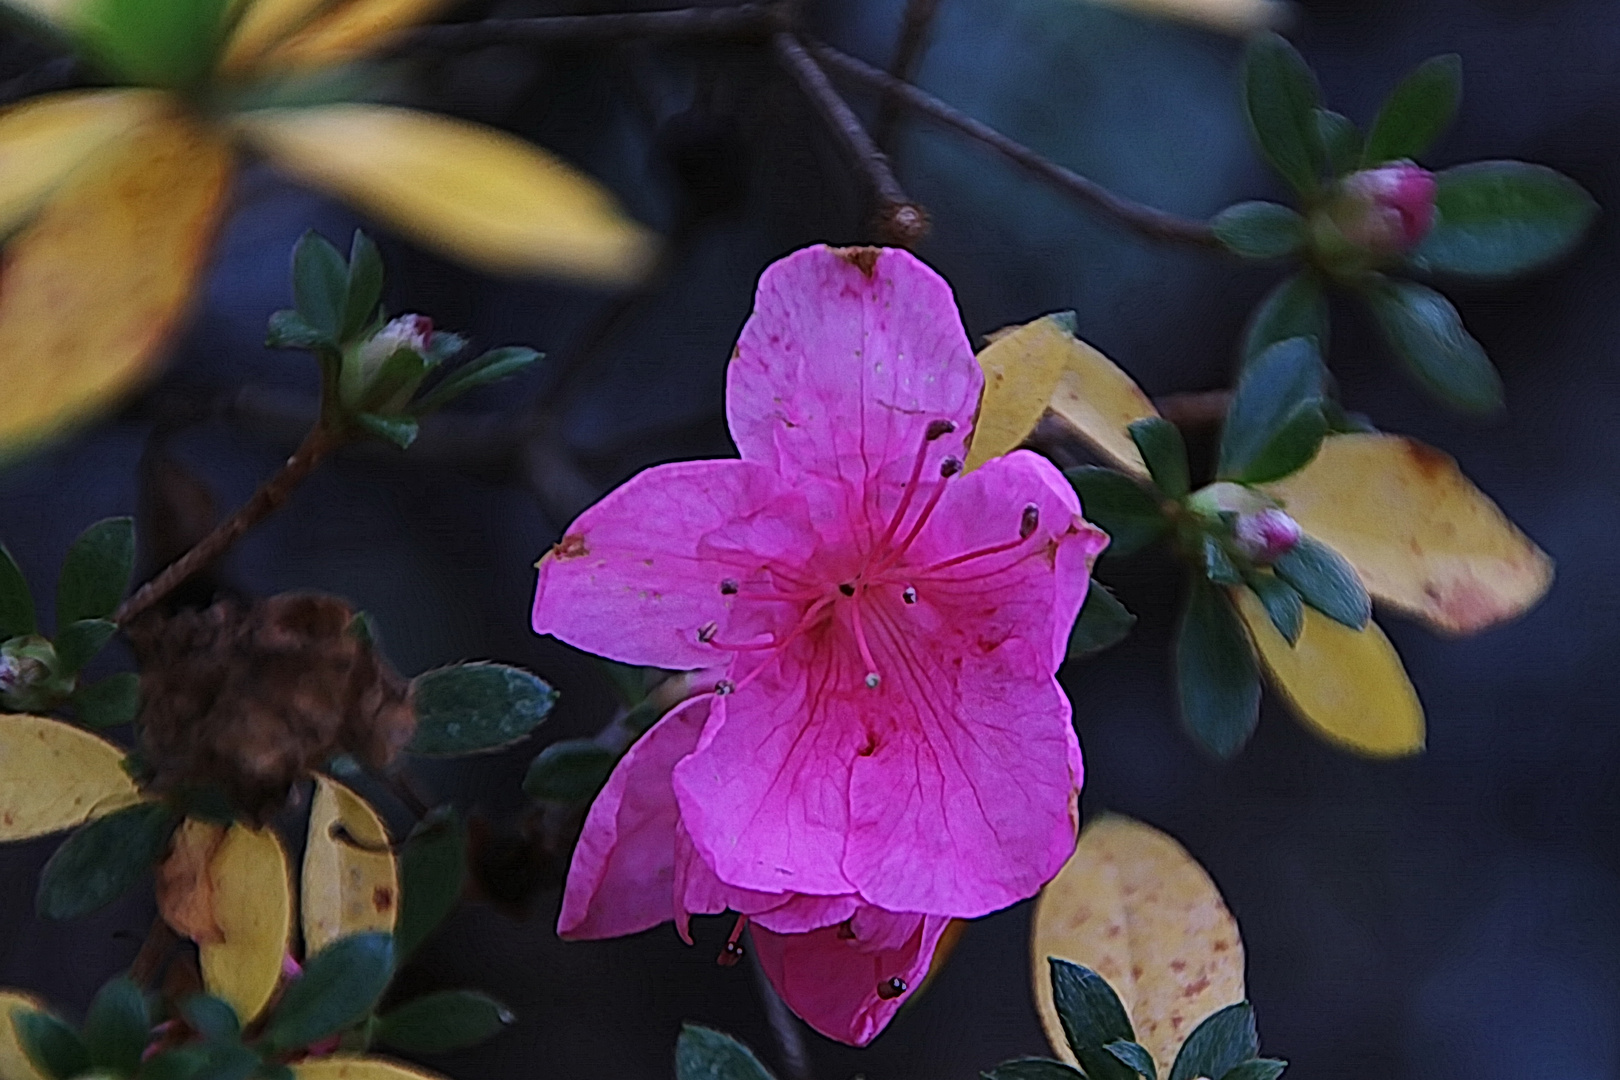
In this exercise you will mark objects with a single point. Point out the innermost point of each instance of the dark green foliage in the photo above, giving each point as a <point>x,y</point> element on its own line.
<point>1259,230</point>
<point>16,602</point>
<point>113,701</point>
<point>1164,453</point>
<point>1275,423</point>
<point>103,859</point>
<point>432,874</point>
<point>1225,1039</point>
<point>1217,679</point>
<point>96,572</point>
<point>118,1027</point>
<point>1281,97</point>
<point>442,1022</point>
<point>1326,582</point>
<point>339,986</point>
<point>1130,514</point>
<point>1427,333</point>
<point>1281,601</point>
<point>571,771</point>
<point>468,708</point>
<point>1500,219</point>
<point>705,1054</point>
<point>1295,308</point>
<point>1416,112</point>
<point>1103,623</point>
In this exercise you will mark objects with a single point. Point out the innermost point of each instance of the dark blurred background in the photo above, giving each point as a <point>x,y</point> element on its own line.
<point>1453,915</point>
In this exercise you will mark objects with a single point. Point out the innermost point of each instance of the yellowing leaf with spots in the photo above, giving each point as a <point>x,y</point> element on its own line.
<point>477,194</point>
<point>357,1068</point>
<point>1021,369</point>
<point>1423,538</point>
<point>1229,16</point>
<point>54,776</point>
<point>1347,684</point>
<point>92,290</point>
<point>252,906</point>
<point>1092,396</point>
<point>351,882</point>
<point>1134,907</point>
<point>14,1063</point>
<point>42,141</point>
<point>351,31</point>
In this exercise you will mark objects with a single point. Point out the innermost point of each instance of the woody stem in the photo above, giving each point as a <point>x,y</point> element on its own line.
<point>275,491</point>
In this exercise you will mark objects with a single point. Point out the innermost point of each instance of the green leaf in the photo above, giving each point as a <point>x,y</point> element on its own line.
<point>1341,422</point>
<point>1326,582</point>
<point>399,430</point>
<point>442,1022</point>
<point>1427,333</point>
<point>1281,96</point>
<point>432,874</point>
<point>339,986</point>
<point>1282,603</point>
<point>1103,623</point>
<point>1275,423</point>
<point>118,1027</point>
<point>364,286</point>
<point>288,330</point>
<point>1500,219</point>
<point>1033,1069</point>
<point>320,284</point>
<point>705,1054</point>
<point>212,1018</point>
<point>96,571</point>
<point>1217,679</point>
<point>1295,308</point>
<point>1224,1040</point>
<point>53,1047</point>
<point>179,1063</point>
<point>101,860</point>
<point>78,644</point>
<point>469,708</point>
<point>1341,141</point>
<point>1087,1007</point>
<point>1218,565</point>
<point>16,602</point>
<point>493,366</point>
<point>570,771</point>
<point>1130,514</point>
<point>1416,112</point>
<point>113,701</point>
<point>1164,454</point>
<point>169,43</point>
<point>1135,1057</point>
<point>1259,230</point>
<point>1256,1069</point>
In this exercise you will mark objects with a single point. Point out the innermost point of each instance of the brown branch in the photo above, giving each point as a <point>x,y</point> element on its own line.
<point>1149,222</point>
<point>270,496</point>
<point>1195,408</point>
<point>908,53</point>
<point>900,220</point>
<point>744,22</point>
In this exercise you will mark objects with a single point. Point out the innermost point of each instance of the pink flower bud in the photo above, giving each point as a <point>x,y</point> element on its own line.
<point>406,332</point>
<point>1266,535</point>
<point>1387,210</point>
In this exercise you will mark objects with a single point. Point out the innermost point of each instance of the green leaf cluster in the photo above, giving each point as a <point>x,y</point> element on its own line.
<point>475,707</point>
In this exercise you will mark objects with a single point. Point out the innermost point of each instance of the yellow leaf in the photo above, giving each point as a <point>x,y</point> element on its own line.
<point>184,885</point>
<point>1021,369</point>
<point>357,1068</point>
<point>262,25</point>
<point>1134,907</point>
<point>54,776</point>
<point>42,141</point>
<point>473,192</point>
<point>1347,684</point>
<point>352,29</point>
<point>252,886</point>
<point>1423,538</point>
<point>351,883</point>
<point>1230,16</point>
<point>93,288</point>
<point>14,1063</point>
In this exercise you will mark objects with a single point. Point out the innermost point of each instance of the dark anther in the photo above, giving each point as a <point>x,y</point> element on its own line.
<point>950,466</point>
<point>729,587</point>
<point>724,687</point>
<point>847,589</point>
<point>732,953</point>
<point>891,989</point>
<point>938,429</point>
<point>910,595</point>
<point>1031,518</point>
<point>707,631</point>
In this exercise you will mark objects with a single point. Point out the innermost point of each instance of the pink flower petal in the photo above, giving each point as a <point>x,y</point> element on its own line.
<point>834,981</point>
<point>849,356</point>
<point>639,574</point>
<point>620,881</point>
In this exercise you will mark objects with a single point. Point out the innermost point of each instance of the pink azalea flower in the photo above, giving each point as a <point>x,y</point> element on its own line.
<point>885,747</point>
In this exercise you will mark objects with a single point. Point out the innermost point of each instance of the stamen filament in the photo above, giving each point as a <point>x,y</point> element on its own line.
<point>872,676</point>
<point>945,473</point>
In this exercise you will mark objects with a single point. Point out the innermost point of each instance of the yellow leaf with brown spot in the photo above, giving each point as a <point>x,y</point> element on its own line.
<point>43,140</point>
<point>351,881</point>
<point>472,192</point>
<point>1423,538</point>
<point>1021,369</point>
<point>349,31</point>
<point>184,887</point>
<point>1228,16</point>
<point>92,290</point>
<point>54,776</point>
<point>1134,907</point>
<point>14,1063</point>
<point>252,886</point>
<point>357,1068</point>
<point>1349,685</point>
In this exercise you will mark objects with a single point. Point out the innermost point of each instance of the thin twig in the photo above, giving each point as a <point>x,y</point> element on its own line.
<point>1195,408</point>
<point>1149,222</point>
<point>271,494</point>
<point>744,22</point>
<point>908,53</point>
<point>900,220</point>
<point>784,1025</point>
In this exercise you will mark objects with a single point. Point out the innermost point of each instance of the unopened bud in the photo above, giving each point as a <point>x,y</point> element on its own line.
<point>1387,210</point>
<point>1265,535</point>
<point>412,332</point>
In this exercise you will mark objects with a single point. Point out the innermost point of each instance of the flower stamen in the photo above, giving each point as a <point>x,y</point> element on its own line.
<point>1027,525</point>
